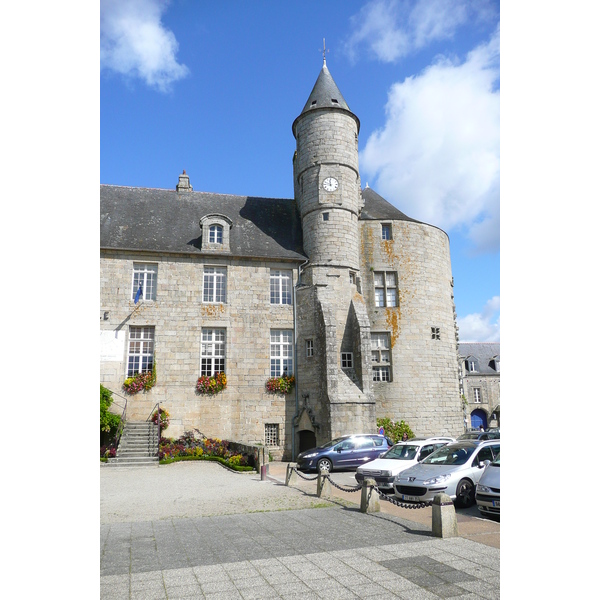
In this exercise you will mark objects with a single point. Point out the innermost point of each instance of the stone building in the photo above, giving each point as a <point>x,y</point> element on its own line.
<point>336,287</point>
<point>480,382</point>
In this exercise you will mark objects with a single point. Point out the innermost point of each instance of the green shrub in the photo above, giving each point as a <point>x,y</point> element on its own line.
<point>394,429</point>
<point>108,421</point>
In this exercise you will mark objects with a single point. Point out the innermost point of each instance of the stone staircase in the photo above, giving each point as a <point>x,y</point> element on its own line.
<point>138,446</point>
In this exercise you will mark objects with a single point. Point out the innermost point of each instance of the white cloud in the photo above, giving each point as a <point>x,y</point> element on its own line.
<point>483,326</point>
<point>135,43</point>
<point>393,29</point>
<point>437,158</point>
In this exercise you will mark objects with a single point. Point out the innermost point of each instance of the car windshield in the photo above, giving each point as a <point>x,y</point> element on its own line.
<point>331,443</point>
<point>449,455</point>
<point>496,461</point>
<point>469,436</point>
<point>401,452</point>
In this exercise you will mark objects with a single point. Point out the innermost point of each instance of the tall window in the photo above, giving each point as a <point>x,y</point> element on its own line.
<point>386,291</point>
<point>144,277</point>
<point>477,395</point>
<point>281,287</point>
<point>380,356</point>
<point>282,356</point>
<point>310,349</point>
<point>213,352</point>
<point>215,234</point>
<point>140,350</point>
<point>271,434</point>
<point>386,231</point>
<point>215,280</point>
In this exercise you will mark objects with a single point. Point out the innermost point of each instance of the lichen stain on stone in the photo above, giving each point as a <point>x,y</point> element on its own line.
<point>392,319</point>
<point>212,310</point>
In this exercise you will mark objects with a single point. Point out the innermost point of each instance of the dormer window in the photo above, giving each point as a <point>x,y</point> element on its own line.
<point>470,365</point>
<point>215,233</point>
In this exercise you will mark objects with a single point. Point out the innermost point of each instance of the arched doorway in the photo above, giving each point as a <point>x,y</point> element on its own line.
<point>306,440</point>
<point>478,419</point>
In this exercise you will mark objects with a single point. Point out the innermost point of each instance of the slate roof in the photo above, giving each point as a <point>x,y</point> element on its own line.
<point>482,352</point>
<point>158,220</point>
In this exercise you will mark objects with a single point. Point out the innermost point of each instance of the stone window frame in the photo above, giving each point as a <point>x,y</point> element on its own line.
<point>381,356</point>
<point>215,220</point>
<point>310,348</point>
<point>477,396</point>
<point>218,275</point>
<point>385,289</point>
<point>282,360</point>
<point>145,273</point>
<point>386,231</point>
<point>272,439</point>
<point>283,280</point>
<point>347,360</point>
<point>140,349</point>
<point>213,350</point>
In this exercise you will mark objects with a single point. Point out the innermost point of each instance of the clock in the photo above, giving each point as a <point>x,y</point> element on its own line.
<point>330,184</point>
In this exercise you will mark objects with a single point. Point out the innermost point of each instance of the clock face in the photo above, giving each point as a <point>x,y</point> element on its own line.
<point>330,184</point>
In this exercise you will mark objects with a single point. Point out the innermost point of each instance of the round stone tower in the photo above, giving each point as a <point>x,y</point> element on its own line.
<point>326,180</point>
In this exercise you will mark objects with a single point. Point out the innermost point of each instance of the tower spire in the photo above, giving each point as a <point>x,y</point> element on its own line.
<point>324,51</point>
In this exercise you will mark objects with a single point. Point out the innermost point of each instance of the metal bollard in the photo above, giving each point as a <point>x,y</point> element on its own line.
<point>369,498</point>
<point>443,517</point>
<point>263,472</point>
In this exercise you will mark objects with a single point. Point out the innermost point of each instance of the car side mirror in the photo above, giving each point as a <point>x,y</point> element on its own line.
<point>485,463</point>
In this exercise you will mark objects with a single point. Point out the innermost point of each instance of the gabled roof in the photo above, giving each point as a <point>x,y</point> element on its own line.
<point>482,352</point>
<point>167,221</point>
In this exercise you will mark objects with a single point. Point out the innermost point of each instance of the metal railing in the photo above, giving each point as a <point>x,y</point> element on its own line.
<point>157,407</point>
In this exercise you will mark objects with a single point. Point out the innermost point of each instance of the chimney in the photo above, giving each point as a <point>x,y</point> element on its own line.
<point>184,183</point>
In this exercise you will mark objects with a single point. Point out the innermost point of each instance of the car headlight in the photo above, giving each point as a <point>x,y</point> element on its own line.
<point>483,488</point>
<point>310,455</point>
<point>438,479</point>
<point>386,473</point>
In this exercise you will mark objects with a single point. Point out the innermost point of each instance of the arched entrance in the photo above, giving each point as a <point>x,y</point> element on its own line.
<point>306,440</point>
<point>478,419</point>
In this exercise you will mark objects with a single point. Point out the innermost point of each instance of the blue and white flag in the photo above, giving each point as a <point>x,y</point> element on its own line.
<point>139,293</point>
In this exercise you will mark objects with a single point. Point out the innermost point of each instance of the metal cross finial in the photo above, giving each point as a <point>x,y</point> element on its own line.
<point>324,51</point>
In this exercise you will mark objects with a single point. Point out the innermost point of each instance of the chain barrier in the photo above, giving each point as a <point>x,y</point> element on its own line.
<point>302,476</point>
<point>344,489</point>
<point>393,500</point>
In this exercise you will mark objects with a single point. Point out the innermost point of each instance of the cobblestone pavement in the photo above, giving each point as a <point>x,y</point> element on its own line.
<point>197,530</point>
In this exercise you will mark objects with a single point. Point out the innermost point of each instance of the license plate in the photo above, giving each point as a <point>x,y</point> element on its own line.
<point>410,498</point>
<point>496,503</point>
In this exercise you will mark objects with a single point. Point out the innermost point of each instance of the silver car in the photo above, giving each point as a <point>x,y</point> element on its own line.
<point>487,493</point>
<point>454,469</point>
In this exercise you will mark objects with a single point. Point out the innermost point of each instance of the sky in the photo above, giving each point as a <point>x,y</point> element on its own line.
<point>213,88</point>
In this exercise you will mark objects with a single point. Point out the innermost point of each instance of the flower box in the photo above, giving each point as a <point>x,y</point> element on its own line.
<point>280,385</point>
<point>212,384</point>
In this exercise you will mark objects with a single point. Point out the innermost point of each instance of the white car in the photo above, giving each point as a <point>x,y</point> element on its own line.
<point>399,457</point>
<point>454,469</point>
<point>487,493</point>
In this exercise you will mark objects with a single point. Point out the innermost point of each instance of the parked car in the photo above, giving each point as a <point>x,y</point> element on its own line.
<point>346,452</point>
<point>487,492</point>
<point>454,469</point>
<point>479,435</point>
<point>399,457</point>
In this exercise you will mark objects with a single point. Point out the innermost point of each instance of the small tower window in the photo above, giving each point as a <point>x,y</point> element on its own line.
<point>435,333</point>
<point>326,216</point>
<point>347,360</point>
<point>386,231</point>
<point>334,100</point>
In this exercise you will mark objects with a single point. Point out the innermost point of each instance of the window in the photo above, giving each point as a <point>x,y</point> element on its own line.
<point>435,333</point>
<point>282,361</point>
<point>215,234</point>
<point>386,293</point>
<point>144,277</point>
<point>310,350</point>
<point>477,395</point>
<point>281,287</point>
<point>386,232</point>
<point>326,216</point>
<point>271,434</point>
<point>215,279</point>
<point>380,356</point>
<point>140,356</point>
<point>347,360</point>
<point>212,352</point>
<point>471,366</point>
<point>353,277</point>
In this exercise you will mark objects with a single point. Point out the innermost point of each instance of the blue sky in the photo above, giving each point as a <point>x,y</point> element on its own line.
<point>213,88</point>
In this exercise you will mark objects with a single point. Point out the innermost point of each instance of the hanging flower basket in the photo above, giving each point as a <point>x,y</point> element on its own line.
<point>280,385</point>
<point>165,418</point>
<point>141,381</point>
<point>211,384</point>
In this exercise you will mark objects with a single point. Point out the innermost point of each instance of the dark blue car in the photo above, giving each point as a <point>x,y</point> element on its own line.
<point>346,452</point>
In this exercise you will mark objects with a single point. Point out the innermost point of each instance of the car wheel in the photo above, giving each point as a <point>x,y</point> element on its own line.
<point>324,464</point>
<point>465,493</point>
